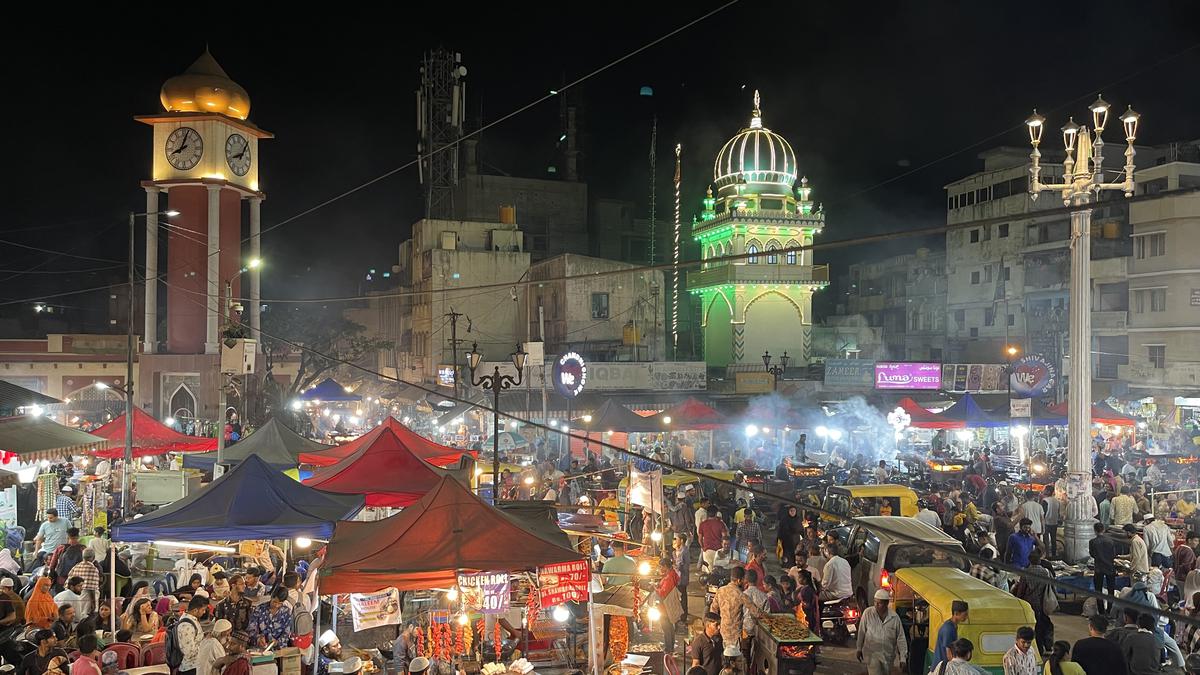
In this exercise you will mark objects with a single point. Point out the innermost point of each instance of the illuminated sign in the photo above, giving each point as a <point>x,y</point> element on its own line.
<point>1033,376</point>
<point>570,374</point>
<point>445,375</point>
<point>908,375</point>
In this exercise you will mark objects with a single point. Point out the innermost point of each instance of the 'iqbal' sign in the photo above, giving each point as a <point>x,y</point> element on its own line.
<point>570,374</point>
<point>563,582</point>
<point>487,592</point>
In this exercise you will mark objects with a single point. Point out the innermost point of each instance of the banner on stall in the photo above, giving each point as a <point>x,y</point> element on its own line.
<point>563,582</point>
<point>487,592</point>
<point>8,506</point>
<point>372,610</point>
<point>646,490</point>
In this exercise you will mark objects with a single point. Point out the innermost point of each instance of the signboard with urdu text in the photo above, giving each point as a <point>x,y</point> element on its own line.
<point>849,373</point>
<point>908,375</point>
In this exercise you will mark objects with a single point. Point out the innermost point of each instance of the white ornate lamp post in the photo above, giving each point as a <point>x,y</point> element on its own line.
<point>1083,180</point>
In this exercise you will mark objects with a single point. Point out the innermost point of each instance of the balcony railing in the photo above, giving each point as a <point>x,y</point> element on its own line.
<point>1112,320</point>
<point>1143,374</point>
<point>760,274</point>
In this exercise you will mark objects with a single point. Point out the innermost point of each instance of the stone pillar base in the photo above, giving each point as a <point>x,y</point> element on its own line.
<point>1077,533</point>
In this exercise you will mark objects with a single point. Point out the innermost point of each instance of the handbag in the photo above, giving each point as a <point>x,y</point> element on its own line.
<point>1049,600</point>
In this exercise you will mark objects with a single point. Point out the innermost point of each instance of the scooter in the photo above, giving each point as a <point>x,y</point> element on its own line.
<point>839,621</point>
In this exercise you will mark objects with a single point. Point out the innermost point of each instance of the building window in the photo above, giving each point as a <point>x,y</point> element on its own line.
<point>1002,231</point>
<point>1157,355</point>
<point>960,317</point>
<point>791,257</point>
<point>752,254</point>
<point>1158,300</point>
<point>974,236</point>
<point>951,203</point>
<point>987,274</point>
<point>599,305</point>
<point>989,316</point>
<point>1012,319</point>
<point>975,277</point>
<point>1151,245</point>
<point>1150,300</point>
<point>1006,275</point>
<point>772,256</point>
<point>987,232</point>
<point>974,332</point>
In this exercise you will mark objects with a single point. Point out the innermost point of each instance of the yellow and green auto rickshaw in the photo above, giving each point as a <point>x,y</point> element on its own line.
<point>852,501</point>
<point>922,597</point>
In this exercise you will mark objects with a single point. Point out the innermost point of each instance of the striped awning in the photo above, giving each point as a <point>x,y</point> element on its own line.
<point>36,437</point>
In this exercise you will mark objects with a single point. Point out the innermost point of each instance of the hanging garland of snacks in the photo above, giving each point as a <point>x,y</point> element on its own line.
<point>618,638</point>
<point>497,643</point>
<point>458,640</point>
<point>420,642</point>
<point>432,641</point>
<point>533,605</point>
<point>481,629</point>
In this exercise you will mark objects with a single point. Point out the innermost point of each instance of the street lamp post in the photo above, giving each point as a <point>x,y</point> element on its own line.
<point>775,371</point>
<point>1010,351</point>
<point>129,349</point>
<point>231,306</point>
<point>497,382</point>
<point>1083,181</point>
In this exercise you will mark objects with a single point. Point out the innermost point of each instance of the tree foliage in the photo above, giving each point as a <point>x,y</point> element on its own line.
<point>323,340</point>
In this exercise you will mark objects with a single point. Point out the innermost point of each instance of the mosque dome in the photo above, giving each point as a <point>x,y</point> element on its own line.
<point>205,87</point>
<point>758,158</point>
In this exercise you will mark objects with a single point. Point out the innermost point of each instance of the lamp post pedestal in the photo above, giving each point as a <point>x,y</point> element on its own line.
<point>1078,530</point>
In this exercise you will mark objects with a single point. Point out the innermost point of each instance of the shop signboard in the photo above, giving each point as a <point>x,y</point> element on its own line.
<point>372,610</point>
<point>849,373</point>
<point>570,374</point>
<point>908,375</point>
<point>445,375</point>
<point>1033,376</point>
<point>754,383</point>
<point>975,378</point>
<point>1020,407</point>
<point>563,582</point>
<point>487,592</point>
<point>1195,299</point>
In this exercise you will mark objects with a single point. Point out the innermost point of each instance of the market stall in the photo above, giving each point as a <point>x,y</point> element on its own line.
<point>692,415</point>
<point>273,443</point>
<point>387,472</point>
<point>784,644</point>
<point>434,453</point>
<point>150,437</point>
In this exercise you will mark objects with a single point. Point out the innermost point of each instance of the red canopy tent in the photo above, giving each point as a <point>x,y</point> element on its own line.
<point>434,453</point>
<point>1102,413</point>
<point>150,437</point>
<point>692,415</point>
<point>385,470</point>
<point>923,419</point>
<point>425,545</point>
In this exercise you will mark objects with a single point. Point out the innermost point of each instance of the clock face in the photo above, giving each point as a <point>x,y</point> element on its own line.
<point>237,154</point>
<point>184,148</point>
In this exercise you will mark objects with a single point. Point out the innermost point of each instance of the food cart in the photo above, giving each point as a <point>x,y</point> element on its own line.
<point>784,646</point>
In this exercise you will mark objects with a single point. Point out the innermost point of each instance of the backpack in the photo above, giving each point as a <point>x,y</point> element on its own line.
<point>174,654</point>
<point>302,621</point>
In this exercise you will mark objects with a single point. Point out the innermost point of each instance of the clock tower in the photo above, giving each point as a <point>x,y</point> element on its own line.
<point>206,164</point>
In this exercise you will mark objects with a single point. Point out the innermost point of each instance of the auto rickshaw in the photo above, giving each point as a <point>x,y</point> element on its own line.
<point>921,597</point>
<point>852,501</point>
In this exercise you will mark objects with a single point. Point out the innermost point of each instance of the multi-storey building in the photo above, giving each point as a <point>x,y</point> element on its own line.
<point>905,296</point>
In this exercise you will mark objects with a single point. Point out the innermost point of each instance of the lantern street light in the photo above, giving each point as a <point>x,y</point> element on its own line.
<point>1082,183</point>
<point>497,382</point>
<point>775,371</point>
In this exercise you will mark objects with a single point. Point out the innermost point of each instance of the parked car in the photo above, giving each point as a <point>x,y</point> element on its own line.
<point>875,551</point>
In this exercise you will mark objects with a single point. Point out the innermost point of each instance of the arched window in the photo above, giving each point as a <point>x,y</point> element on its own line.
<point>183,402</point>
<point>772,256</point>
<point>791,255</point>
<point>752,254</point>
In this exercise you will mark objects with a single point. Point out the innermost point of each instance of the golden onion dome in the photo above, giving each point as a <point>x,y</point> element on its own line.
<point>205,87</point>
<point>757,159</point>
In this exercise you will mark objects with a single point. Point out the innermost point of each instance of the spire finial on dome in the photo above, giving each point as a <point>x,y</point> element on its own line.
<point>756,115</point>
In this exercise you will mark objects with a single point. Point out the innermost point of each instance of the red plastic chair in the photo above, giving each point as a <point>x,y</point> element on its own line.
<point>154,654</point>
<point>128,656</point>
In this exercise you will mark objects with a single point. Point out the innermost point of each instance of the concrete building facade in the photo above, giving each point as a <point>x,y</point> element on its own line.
<point>905,296</point>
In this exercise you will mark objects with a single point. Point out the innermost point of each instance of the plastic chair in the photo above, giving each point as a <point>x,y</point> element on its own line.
<point>128,656</point>
<point>154,654</point>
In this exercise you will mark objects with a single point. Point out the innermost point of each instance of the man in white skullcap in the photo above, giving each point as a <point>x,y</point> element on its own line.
<point>331,651</point>
<point>881,637</point>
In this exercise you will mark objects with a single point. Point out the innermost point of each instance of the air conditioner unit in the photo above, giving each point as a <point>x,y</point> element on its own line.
<point>237,356</point>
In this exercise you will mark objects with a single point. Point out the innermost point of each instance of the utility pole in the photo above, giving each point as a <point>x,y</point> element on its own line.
<point>454,343</point>
<point>542,335</point>
<point>653,159</point>
<point>129,347</point>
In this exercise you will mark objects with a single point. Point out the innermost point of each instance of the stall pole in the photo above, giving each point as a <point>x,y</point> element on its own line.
<point>316,662</point>
<point>112,586</point>
<point>333,614</point>
<point>595,636</point>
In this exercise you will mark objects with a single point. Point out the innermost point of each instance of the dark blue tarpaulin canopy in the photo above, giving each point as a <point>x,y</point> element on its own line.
<point>967,410</point>
<point>329,390</point>
<point>252,501</point>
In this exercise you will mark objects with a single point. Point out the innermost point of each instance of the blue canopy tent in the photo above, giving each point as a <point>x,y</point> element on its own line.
<point>273,442</point>
<point>329,390</point>
<point>252,501</point>
<point>967,411</point>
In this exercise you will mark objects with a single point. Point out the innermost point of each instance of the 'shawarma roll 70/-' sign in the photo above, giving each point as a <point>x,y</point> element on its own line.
<point>570,374</point>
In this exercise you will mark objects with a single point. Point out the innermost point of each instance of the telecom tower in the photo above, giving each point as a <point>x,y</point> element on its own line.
<point>440,117</point>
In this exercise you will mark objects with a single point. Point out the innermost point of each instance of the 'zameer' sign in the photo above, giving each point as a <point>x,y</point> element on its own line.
<point>908,375</point>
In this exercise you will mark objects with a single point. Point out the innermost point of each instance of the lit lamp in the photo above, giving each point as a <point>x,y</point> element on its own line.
<point>1083,181</point>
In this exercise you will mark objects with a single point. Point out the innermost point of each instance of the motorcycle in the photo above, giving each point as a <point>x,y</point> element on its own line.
<point>839,621</point>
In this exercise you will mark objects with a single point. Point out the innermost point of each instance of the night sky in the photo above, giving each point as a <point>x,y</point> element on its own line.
<point>884,104</point>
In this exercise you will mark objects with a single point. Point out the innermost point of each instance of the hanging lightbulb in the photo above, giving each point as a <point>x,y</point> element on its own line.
<point>561,614</point>
<point>644,568</point>
<point>452,594</point>
<point>656,536</point>
<point>463,619</point>
<point>653,614</point>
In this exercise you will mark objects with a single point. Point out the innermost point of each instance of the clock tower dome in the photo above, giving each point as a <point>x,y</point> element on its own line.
<point>205,162</point>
